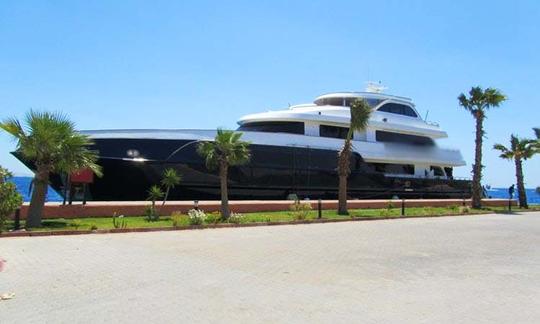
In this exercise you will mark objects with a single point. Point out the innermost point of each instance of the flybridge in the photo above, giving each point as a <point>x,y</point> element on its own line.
<point>353,94</point>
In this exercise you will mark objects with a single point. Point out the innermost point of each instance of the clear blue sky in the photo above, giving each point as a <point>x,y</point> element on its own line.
<point>200,64</point>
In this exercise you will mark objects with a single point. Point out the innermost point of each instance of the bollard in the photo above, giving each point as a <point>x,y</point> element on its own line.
<point>196,204</point>
<point>402,207</point>
<point>17,220</point>
<point>319,208</point>
<point>85,188</point>
<point>70,199</point>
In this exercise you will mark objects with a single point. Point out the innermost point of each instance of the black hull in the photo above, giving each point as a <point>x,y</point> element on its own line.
<point>273,173</point>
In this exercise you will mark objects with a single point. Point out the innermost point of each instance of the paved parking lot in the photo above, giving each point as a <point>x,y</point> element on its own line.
<point>432,270</point>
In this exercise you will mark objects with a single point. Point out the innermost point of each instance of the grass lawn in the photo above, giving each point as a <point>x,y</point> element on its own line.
<point>59,224</point>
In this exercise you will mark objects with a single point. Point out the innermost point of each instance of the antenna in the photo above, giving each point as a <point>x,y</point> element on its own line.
<point>427,113</point>
<point>375,87</point>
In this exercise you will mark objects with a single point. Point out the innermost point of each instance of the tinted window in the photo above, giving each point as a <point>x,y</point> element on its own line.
<point>382,136</point>
<point>437,171</point>
<point>274,127</point>
<point>398,109</point>
<point>391,168</point>
<point>333,131</point>
<point>371,102</point>
<point>449,172</point>
<point>330,102</point>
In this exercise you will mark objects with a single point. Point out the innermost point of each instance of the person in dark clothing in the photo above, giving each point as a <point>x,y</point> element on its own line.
<point>511,191</point>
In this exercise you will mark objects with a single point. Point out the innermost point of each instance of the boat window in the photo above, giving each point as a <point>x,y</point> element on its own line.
<point>382,136</point>
<point>333,131</point>
<point>437,171</point>
<point>398,109</point>
<point>391,168</point>
<point>330,102</point>
<point>449,172</point>
<point>371,101</point>
<point>274,127</point>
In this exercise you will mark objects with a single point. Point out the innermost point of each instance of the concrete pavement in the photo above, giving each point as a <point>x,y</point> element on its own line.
<point>477,269</point>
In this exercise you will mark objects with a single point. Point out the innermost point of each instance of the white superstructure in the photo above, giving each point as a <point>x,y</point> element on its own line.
<point>396,137</point>
<point>396,134</point>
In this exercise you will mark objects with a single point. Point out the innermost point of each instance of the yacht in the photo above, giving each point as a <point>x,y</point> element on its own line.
<point>293,154</point>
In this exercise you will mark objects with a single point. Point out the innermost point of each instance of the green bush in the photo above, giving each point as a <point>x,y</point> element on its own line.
<point>10,199</point>
<point>464,210</point>
<point>196,216</point>
<point>236,218</point>
<point>213,218</point>
<point>151,214</point>
<point>299,210</point>
<point>119,221</point>
<point>76,223</point>
<point>179,219</point>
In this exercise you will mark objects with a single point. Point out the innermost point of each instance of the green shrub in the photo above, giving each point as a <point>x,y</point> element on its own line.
<point>236,218</point>
<point>76,223</point>
<point>10,199</point>
<point>179,219</point>
<point>454,208</point>
<point>119,221</point>
<point>93,227</point>
<point>151,214</point>
<point>464,210</point>
<point>213,218</point>
<point>299,210</point>
<point>196,216</point>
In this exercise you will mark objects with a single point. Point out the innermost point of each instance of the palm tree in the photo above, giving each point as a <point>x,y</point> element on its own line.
<point>519,150</point>
<point>477,103</point>
<point>537,144</point>
<point>4,174</point>
<point>170,179</point>
<point>154,193</point>
<point>226,150</point>
<point>360,112</point>
<point>51,143</point>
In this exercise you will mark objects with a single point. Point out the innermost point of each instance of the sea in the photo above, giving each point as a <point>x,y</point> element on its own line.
<point>23,185</point>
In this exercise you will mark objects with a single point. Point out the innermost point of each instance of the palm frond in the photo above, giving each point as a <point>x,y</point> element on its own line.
<point>360,113</point>
<point>478,100</point>
<point>227,147</point>
<point>155,193</point>
<point>171,178</point>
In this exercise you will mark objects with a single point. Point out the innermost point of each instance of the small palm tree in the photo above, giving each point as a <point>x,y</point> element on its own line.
<point>170,180</point>
<point>537,144</point>
<point>51,143</point>
<point>360,113</point>
<point>519,150</point>
<point>226,150</point>
<point>154,193</point>
<point>477,103</point>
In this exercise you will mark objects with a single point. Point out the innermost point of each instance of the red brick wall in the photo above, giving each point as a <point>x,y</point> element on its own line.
<point>107,209</point>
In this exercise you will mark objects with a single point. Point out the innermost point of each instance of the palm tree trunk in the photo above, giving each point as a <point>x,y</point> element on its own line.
<point>166,196</point>
<point>343,173</point>
<point>225,213</point>
<point>520,183</point>
<point>477,167</point>
<point>37,201</point>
